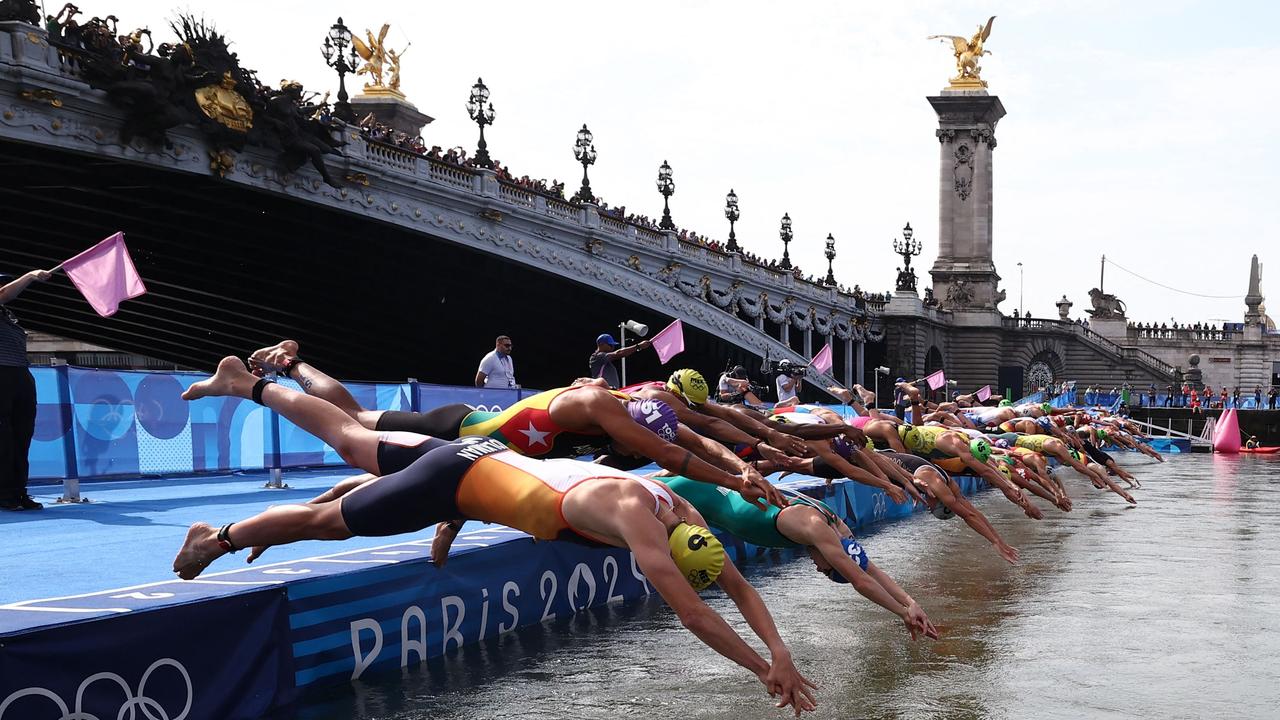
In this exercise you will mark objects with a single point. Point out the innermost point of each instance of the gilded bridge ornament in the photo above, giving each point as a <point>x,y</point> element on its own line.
<point>968,53</point>
<point>379,60</point>
<point>222,104</point>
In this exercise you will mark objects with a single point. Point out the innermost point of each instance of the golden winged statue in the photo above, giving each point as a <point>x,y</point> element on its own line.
<point>968,52</point>
<point>374,53</point>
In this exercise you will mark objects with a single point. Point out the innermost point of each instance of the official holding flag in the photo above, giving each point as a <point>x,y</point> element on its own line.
<point>17,398</point>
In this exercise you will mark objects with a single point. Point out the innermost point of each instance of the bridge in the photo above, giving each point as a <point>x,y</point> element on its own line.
<point>413,265</point>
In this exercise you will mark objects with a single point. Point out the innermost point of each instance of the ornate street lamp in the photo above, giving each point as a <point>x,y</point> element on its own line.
<point>831,255</point>
<point>785,233</point>
<point>731,212</point>
<point>481,115</point>
<point>667,187</point>
<point>585,152</point>
<point>335,56</point>
<point>907,247</point>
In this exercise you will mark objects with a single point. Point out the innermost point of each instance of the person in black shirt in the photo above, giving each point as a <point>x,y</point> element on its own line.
<point>17,398</point>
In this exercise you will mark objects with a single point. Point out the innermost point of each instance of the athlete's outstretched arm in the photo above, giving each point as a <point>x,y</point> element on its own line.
<point>949,495</point>
<point>646,536</point>
<point>783,679</point>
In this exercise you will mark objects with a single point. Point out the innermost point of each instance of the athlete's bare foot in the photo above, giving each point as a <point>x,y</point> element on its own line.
<point>271,359</point>
<point>230,379</point>
<point>198,550</point>
<point>440,544</point>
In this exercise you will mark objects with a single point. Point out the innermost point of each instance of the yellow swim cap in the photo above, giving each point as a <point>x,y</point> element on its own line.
<point>698,554</point>
<point>690,385</point>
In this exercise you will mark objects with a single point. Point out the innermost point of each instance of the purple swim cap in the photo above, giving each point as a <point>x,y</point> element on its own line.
<point>841,445</point>
<point>656,416</point>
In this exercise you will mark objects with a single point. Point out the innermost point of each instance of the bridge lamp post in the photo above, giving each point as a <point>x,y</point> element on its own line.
<point>830,252</point>
<point>1020,310</point>
<point>784,232</point>
<point>335,56</point>
<point>667,187</point>
<point>731,214</point>
<point>481,115</point>
<point>585,151</point>
<point>908,247</point>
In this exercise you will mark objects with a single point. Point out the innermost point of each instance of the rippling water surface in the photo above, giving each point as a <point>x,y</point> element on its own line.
<point>1167,610</point>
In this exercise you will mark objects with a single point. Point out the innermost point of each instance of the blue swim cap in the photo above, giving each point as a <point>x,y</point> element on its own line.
<point>656,416</point>
<point>855,553</point>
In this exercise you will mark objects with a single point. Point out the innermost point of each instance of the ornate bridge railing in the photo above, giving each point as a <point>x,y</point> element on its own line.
<point>1141,357</point>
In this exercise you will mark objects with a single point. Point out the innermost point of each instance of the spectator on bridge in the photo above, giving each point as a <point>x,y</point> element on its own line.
<point>496,369</point>
<point>1235,397</point>
<point>1257,397</point>
<point>17,398</point>
<point>1271,397</point>
<point>1151,395</point>
<point>1223,398</point>
<point>1208,396</point>
<point>1168,396</point>
<point>600,363</point>
<point>1195,402</point>
<point>1184,395</point>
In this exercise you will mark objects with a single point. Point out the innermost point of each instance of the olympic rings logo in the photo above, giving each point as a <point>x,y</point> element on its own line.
<point>880,506</point>
<point>133,702</point>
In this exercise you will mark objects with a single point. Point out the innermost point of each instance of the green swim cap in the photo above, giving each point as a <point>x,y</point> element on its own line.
<point>980,449</point>
<point>1008,459</point>
<point>698,553</point>
<point>1075,455</point>
<point>1047,408</point>
<point>1005,403</point>
<point>1102,434</point>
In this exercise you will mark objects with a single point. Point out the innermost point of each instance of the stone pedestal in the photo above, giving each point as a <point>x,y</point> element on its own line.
<point>391,109</point>
<point>964,275</point>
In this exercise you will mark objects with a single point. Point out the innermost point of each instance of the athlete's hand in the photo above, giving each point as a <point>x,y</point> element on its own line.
<point>789,444</point>
<point>1008,552</point>
<point>759,491</point>
<point>1031,510</point>
<point>896,493</point>
<point>791,688</point>
<point>778,457</point>
<point>918,623</point>
<point>255,552</point>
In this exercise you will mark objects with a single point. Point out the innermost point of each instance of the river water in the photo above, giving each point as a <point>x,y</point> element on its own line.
<point>1167,610</point>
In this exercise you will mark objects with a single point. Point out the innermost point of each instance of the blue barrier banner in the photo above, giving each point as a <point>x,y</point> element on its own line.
<point>493,400</point>
<point>222,659</point>
<point>344,626</point>
<point>48,455</point>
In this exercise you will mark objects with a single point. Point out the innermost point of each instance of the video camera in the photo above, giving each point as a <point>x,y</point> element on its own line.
<point>785,367</point>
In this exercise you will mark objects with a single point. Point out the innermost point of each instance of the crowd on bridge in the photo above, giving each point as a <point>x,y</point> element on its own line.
<point>1176,331</point>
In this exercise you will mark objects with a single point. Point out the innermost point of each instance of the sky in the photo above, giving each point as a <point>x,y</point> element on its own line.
<point>1139,130</point>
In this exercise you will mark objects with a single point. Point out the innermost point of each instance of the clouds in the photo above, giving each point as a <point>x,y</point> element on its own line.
<point>1142,130</point>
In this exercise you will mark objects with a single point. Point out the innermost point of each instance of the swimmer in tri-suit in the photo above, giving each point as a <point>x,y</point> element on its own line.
<point>807,523</point>
<point>479,478</point>
<point>945,499</point>
<point>566,422</point>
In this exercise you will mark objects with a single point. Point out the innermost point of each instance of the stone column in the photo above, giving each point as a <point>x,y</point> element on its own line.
<point>964,276</point>
<point>861,364</point>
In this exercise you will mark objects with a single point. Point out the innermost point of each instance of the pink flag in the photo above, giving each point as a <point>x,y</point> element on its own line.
<point>984,393</point>
<point>822,361</point>
<point>105,275</point>
<point>669,342</point>
<point>936,380</point>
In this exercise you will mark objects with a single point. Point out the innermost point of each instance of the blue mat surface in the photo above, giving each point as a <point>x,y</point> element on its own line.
<point>129,533</point>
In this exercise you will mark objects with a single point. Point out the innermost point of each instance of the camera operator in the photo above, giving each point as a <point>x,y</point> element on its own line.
<point>736,388</point>
<point>789,381</point>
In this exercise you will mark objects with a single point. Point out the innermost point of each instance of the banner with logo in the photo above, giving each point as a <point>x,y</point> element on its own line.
<point>224,658</point>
